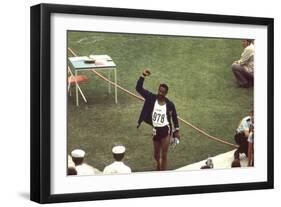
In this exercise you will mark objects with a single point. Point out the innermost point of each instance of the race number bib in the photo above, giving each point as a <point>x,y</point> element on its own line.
<point>158,118</point>
<point>159,115</point>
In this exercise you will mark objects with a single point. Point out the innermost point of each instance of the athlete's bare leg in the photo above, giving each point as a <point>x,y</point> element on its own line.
<point>164,152</point>
<point>161,152</point>
<point>157,155</point>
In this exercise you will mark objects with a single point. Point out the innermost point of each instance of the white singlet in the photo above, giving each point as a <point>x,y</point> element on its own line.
<point>159,115</point>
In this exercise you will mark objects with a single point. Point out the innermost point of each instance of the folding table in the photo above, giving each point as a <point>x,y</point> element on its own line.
<point>79,63</point>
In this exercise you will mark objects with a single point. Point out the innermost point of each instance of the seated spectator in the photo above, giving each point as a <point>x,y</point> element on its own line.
<point>242,134</point>
<point>81,167</point>
<point>236,163</point>
<point>117,166</point>
<point>243,69</point>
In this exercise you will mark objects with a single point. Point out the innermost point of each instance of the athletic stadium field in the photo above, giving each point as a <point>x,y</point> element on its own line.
<point>201,84</point>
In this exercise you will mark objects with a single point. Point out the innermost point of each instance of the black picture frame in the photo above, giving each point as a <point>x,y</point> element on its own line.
<point>41,99</point>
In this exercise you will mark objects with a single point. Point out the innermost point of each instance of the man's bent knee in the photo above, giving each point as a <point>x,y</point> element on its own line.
<point>236,67</point>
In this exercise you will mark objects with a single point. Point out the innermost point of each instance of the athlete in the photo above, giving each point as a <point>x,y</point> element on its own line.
<point>158,111</point>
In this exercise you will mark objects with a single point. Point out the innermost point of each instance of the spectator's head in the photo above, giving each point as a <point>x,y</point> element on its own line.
<point>162,91</point>
<point>236,163</point>
<point>78,156</point>
<point>71,171</point>
<point>118,152</point>
<point>246,42</point>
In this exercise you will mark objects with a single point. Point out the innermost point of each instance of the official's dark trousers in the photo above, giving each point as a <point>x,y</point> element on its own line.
<point>243,78</point>
<point>242,141</point>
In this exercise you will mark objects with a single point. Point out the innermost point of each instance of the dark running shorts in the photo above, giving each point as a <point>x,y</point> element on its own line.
<point>161,132</point>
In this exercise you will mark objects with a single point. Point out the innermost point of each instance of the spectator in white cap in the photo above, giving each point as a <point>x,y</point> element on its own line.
<point>81,167</point>
<point>117,167</point>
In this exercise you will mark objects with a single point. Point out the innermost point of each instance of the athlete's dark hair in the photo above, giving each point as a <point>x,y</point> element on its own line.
<point>164,86</point>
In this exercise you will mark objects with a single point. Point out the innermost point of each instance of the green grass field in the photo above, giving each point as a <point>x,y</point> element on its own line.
<point>202,86</point>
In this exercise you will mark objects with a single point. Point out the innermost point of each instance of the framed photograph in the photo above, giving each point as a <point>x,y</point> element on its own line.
<point>133,103</point>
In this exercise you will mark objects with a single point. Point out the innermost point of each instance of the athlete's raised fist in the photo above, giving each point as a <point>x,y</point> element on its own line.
<point>146,72</point>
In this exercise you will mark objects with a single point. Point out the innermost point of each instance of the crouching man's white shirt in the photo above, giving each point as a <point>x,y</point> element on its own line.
<point>117,168</point>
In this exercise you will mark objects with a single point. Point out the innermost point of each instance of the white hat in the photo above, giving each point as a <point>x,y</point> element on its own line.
<point>78,153</point>
<point>119,149</point>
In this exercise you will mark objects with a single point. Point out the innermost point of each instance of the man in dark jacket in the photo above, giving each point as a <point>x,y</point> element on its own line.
<point>158,111</point>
